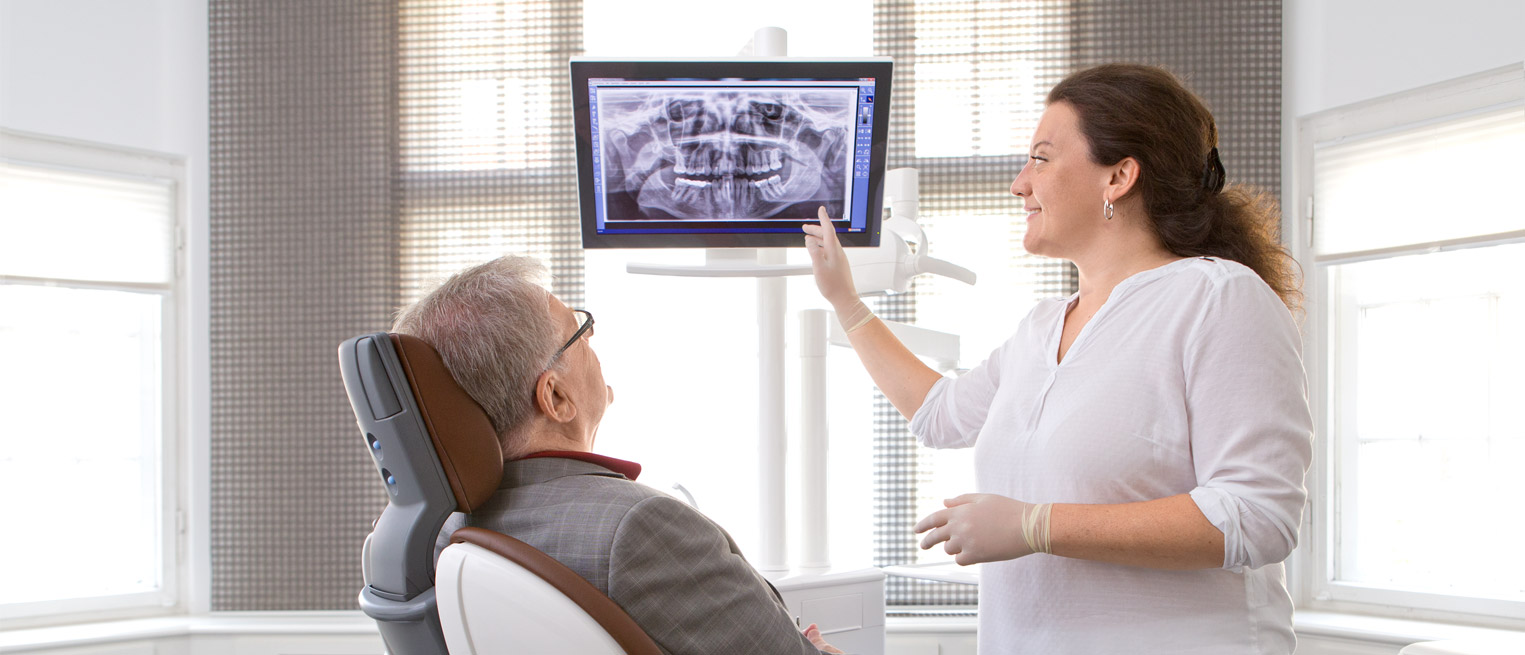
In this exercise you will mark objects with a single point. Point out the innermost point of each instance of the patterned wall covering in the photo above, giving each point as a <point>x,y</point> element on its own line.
<point>303,242</point>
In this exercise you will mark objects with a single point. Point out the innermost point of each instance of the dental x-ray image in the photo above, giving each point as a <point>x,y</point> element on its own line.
<point>688,153</point>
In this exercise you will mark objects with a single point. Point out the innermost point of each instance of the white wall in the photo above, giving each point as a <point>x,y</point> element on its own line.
<point>124,72</point>
<point>1343,51</point>
<point>128,73</point>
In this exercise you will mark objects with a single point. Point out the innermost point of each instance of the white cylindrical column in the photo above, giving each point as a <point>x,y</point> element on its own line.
<point>902,191</point>
<point>772,440</point>
<point>814,324</point>
<point>770,42</point>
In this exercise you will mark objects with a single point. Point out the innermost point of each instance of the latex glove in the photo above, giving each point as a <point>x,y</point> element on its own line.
<point>986,528</point>
<point>814,635</point>
<point>833,275</point>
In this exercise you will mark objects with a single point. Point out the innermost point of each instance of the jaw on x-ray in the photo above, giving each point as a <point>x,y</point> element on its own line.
<point>725,154</point>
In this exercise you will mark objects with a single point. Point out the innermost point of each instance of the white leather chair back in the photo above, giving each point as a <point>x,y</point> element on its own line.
<point>497,594</point>
<point>487,603</point>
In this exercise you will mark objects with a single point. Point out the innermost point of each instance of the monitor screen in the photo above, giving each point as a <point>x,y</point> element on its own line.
<point>728,153</point>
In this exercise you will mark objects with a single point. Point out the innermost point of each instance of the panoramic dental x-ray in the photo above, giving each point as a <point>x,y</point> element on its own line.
<point>744,154</point>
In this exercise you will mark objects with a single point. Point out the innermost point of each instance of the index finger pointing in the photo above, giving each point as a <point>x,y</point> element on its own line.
<point>828,231</point>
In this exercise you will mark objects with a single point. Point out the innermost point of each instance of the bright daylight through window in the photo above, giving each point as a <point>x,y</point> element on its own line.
<point>483,153</point>
<point>1423,308</point>
<point>87,283</point>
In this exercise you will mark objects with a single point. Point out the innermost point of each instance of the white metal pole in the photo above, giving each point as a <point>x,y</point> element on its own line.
<point>770,42</point>
<point>814,434</point>
<point>772,440</point>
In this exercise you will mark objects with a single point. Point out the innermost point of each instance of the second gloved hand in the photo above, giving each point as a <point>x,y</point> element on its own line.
<point>987,528</point>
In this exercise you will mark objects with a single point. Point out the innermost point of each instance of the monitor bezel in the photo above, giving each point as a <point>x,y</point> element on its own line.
<point>584,68</point>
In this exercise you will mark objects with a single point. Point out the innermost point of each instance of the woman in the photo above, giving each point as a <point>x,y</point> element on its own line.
<point>1148,436</point>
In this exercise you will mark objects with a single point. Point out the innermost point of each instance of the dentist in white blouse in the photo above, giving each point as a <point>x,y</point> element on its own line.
<point>1141,445</point>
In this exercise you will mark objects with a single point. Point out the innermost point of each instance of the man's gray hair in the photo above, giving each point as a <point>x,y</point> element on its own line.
<point>493,327</point>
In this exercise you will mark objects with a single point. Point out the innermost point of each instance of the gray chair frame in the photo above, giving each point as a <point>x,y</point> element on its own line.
<point>399,587</point>
<point>437,453</point>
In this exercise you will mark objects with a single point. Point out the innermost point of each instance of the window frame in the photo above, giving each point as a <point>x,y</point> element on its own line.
<point>43,151</point>
<point>1313,565</point>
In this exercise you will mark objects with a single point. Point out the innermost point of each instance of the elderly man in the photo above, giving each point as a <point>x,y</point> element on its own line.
<point>527,359</point>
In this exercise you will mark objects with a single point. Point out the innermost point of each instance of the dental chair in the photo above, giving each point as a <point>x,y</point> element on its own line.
<point>437,453</point>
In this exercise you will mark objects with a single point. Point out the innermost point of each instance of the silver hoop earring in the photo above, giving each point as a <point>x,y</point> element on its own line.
<point>1108,211</point>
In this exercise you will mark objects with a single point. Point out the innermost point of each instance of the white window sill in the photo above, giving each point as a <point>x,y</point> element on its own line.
<point>166,627</point>
<point>1392,632</point>
<point>1372,630</point>
<point>930,624</point>
<point>1367,629</point>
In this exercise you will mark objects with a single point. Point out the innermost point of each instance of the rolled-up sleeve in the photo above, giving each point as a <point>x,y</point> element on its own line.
<point>1251,431</point>
<point>955,408</point>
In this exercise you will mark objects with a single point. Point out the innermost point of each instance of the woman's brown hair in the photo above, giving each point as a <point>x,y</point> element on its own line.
<point>1145,112</point>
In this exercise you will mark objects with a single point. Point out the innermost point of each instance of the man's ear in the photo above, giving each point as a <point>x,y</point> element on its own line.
<point>1125,175</point>
<point>551,398</point>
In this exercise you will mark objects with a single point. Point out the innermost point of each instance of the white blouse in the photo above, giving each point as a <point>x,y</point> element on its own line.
<point>1189,379</point>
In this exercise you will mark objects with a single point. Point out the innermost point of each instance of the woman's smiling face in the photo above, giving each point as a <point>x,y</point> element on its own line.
<point>1062,190</point>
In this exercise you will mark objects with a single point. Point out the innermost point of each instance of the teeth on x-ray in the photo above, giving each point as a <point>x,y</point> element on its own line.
<point>709,153</point>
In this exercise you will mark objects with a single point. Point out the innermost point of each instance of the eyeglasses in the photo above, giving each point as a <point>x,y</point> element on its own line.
<point>584,323</point>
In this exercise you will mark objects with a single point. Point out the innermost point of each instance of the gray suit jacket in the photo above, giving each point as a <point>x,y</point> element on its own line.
<point>678,574</point>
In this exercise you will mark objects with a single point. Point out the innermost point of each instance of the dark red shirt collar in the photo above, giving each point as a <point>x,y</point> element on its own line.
<point>630,470</point>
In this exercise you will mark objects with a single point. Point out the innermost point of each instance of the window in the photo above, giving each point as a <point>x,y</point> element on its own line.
<point>1416,276</point>
<point>88,307</point>
<point>973,76</point>
<point>481,177</point>
<point>980,72</point>
<point>485,168</point>
<point>681,353</point>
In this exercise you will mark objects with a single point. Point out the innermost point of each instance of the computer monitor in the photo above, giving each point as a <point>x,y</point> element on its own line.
<point>728,153</point>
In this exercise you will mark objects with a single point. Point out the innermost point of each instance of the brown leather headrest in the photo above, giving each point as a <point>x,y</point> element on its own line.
<point>464,440</point>
<point>605,611</point>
